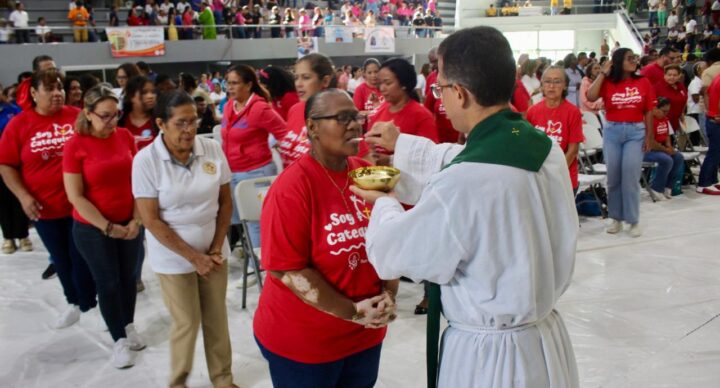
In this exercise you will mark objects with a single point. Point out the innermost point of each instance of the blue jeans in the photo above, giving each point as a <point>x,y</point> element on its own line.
<point>359,370</point>
<point>622,146</point>
<point>709,169</point>
<point>112,263</point>
<point>667,169</point>
<point>73,272</point>
<point>267,170</point>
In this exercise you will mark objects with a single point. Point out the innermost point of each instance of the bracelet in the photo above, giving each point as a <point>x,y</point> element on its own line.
<point>138,222</point>
<point>108,228</point>
<point>214,252</point>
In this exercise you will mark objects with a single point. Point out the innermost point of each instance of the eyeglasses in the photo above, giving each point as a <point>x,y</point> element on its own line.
<point>436,89</point>
<point>185,125</point>
<point>553,82</point>
<point>344,118</point>
<point>107,118</point>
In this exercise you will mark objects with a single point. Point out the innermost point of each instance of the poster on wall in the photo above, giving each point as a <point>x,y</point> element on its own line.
<point>380,40</point>
<point>136,41</point>
<point>306,45</point>
<point>338,35</point>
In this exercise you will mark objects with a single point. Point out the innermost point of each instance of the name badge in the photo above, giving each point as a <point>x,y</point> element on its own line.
<point>209,167</point>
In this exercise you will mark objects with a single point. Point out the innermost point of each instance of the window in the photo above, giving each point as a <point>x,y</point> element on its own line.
<point>551,44</point>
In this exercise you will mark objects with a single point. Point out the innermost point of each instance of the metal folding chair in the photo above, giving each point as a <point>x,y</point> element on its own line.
<point>249,196</point>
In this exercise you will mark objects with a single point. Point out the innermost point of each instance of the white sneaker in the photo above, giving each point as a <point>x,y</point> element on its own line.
<point>658,196</point>
<point>614,227</point>
<point>251,281</point>
<point>134,340</point>
<point>123,357</point>
<point>68,317</point>
<point>635,230</point>
<point>668,193</point>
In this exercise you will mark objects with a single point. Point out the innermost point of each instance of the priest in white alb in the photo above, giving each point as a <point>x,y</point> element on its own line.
<point>493,224</point>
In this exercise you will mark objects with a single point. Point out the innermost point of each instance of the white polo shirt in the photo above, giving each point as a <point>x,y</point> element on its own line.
<point>187,198</point>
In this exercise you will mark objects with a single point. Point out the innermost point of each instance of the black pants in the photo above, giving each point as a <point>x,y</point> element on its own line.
<point>22,36</point>
<point>112,263</point>
<point>13,221</point>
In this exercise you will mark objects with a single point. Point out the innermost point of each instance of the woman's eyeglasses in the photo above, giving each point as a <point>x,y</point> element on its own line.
<point>107,118</point>
<point>344,118</point>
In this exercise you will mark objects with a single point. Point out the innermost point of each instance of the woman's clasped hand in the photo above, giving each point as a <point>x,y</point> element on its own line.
<point>376,312</point>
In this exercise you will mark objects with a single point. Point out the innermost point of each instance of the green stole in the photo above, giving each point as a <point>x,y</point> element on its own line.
<point>504,138</point>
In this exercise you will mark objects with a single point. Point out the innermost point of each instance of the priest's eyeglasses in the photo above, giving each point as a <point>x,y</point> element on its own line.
<point>344,118</point>
<point>436,90</point>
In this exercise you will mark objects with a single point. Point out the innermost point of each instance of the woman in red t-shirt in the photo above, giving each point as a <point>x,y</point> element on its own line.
<point>628,100</point>
<point>321,316</point>
<point>248,121</point>
<point>281,85</point>
<point>31,150</point>
<point>313,73</point>
<point>137,115</point>
<point>674,90</point>
<point>402,106</point>
<point>97,167</point>
<point>367,96</point>
<point>663,153</point>
<point>558,118</point>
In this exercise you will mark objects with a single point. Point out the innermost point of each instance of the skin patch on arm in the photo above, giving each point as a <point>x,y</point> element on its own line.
<point>302,285</point>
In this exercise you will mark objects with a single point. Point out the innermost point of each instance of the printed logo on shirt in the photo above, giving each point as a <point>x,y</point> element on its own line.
<point>346,232</point>
<point>631,96</point>
<point>294,145</point>
<point>662,128</point>
<point>241,124</point>
<point>553,129</point>
<point>49,142</point>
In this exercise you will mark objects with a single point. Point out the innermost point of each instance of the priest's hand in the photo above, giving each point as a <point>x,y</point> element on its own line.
<point>383,134</point>
<point>370,195</point>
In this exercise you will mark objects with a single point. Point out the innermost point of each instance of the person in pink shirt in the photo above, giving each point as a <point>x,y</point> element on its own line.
<point>305,23</point>
<point>248,121</point>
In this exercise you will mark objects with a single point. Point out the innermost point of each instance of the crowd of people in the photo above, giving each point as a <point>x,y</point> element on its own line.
<point>98,169</point>
<point>240,19</point>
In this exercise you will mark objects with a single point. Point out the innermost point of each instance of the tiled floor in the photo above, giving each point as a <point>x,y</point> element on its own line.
<point>641,313</point>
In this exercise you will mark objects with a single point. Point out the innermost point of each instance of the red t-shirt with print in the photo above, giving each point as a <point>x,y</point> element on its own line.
<point>662,129</point>
<point>283,105</point>
<point>295,143</point>
<point>367,99</point>
<point>144,134</point>
<point>446,132</point>
<point>628,100</point>
<point>562,124</point>
<point>307,223</point>
<point>34,144</point>
<point>412,119</point>
<point>106,169</point>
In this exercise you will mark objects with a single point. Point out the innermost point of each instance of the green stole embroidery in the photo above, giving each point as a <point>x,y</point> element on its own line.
<point>504,138</point>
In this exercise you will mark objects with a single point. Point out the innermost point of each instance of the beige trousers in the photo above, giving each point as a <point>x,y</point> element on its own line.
<point>192,300</point>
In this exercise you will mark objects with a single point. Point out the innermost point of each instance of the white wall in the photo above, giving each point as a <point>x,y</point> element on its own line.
<point>624,35</point>
<point>588,41</point>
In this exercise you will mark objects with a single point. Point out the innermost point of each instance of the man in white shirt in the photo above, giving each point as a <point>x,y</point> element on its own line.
<point>494,225</point>
<point>652,11</point>
<point>19,18</point>
<point>43,32</point>
<point>690,25</point>
<point>672,20</point>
